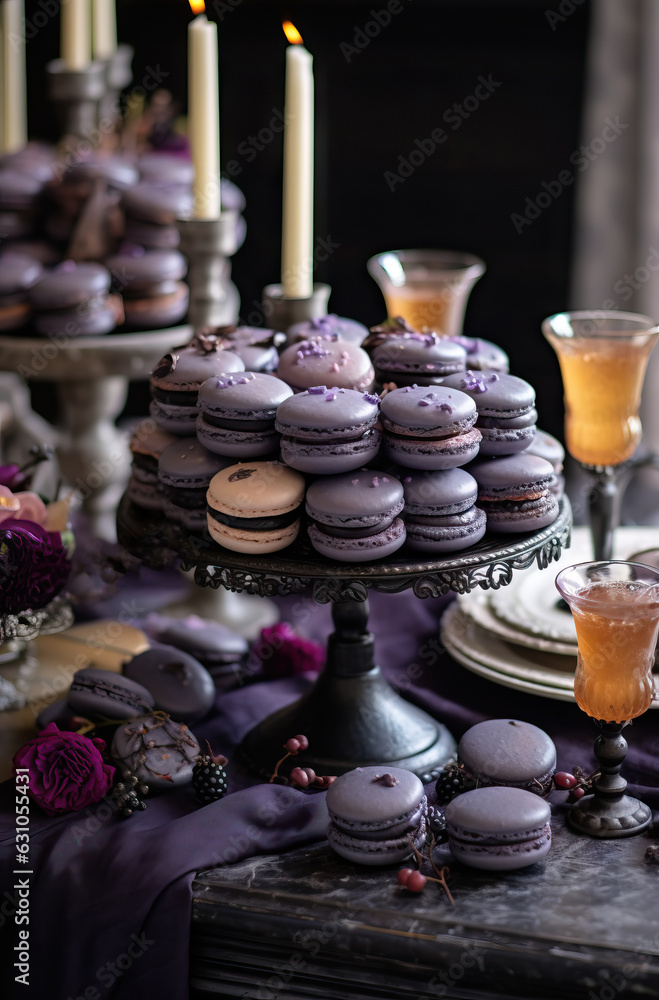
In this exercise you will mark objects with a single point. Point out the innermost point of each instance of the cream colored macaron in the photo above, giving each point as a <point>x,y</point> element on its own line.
<point>254,507</point>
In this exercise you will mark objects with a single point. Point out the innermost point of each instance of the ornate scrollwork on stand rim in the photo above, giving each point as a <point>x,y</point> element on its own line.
<point>247,581</point>
<point>28,624</point>
<point>334,590</point>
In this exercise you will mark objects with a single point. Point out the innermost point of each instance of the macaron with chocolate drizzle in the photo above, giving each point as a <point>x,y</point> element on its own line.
<point>256,348</point>
<point>176,380</point>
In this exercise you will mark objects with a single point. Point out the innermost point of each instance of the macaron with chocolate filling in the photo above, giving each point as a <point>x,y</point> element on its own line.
<point>72,299</point>
<point>150,282</point>
<point>18,273</point>
<point>185,469</point>
<point>147,443</point>
<point>255,507</point>
<point>546,446</point>
<point>327,431</point>
<point>417,358</point>
<point>175,384</point>
<point>440,512</point>
<point>429,427</point>
<point>498,829</point>
<point>238,413</point>
<point>506,409</point>
<point>326,360</point>
<point>356,516</point>
<point>335,326</point>
<point>515,492</point>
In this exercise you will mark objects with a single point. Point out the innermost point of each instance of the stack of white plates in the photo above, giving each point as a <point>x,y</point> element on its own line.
<point>522,636</point>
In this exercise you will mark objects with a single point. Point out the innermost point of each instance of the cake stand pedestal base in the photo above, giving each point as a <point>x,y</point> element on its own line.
<point>354,718</point>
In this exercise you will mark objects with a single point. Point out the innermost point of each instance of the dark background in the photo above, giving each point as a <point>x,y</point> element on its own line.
<point>371,106</point>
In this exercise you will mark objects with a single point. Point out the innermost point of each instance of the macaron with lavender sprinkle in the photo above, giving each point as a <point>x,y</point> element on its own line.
<point>176,380</point>
<point>328,431</point>
<point>238,413</point>
<point>409,358</point>
<point>356,516</point>
<point>506,409</point>
<point>429,427</point>
<point>332,325</point>
<point>326,360</point>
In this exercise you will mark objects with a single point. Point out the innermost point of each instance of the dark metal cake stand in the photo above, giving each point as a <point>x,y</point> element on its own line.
<point>351,715</point>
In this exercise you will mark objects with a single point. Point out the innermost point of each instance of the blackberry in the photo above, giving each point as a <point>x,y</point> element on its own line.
<point>450,783</point>
<point>437,824</point>
<point>209,777</point>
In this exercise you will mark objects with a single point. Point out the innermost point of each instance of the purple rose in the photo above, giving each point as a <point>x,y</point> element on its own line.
<point>284,653</point>
<point>67,772</point>
<point>34,566</point>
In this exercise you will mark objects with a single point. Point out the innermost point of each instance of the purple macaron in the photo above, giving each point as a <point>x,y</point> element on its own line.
<point>147,443</point>
<point>407,358</point>
<point>175,384</point>
<point>332,325</point>
<point>508,752</point>
<point>506,409</point>
<point>72,299</point>
<point>103,694</point>
<point>374,814</point>
<point>150,282</point>
<point>180,685</point>
<point>328,431</point>
<point>185,470</point>
<point>356,516</point>
<point>159,752</point>
<point>516,492</point>
<point>18,273</point>
<point>256,348</point>
<point>498,829</point>
<point>483,354</point>
<point>429,427</point>
<point>326,360</point>
<point>440,511</point>
<point>217,647</point>
<point>238,412</point>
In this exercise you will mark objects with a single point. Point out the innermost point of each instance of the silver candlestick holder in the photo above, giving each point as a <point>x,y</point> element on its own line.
<point>208,244</point>
<point>118,76</point>
<point>77,93</point>
<point>281,313</point>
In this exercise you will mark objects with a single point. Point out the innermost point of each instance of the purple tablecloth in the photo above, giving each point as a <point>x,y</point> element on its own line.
<point>110,899</point>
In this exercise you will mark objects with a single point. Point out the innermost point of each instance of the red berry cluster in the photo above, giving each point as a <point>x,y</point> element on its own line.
<point>303,777</point>
<point>577,784</point>
<point>412,879</point>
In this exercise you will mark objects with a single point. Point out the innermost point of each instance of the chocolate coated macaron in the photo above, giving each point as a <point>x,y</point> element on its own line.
<point>257,348</point>
<point>326,360</point>
<point>374,812</point>
<point>506,409</point>
<point>508,752</point>
<point>515,492</point>
<point>498,829</point>
<point>255,507</point>
<point>429,427</point>
<point>175,384</point>
<point>440,511</point>
<point>328,431</point>
<point>356,516</point>
<point>180,685</point>
<point>238,413</point>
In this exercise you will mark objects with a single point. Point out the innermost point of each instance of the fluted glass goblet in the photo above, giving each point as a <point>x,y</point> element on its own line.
<point>603,357</point>
<point>615,606</point>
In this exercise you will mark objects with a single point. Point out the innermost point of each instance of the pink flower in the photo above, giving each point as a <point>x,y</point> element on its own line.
<point>67,772</point>
<point>32,508</point>
<point>284,653</point>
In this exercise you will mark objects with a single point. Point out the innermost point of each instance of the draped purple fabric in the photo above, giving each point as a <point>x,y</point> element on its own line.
<point>111,898</point>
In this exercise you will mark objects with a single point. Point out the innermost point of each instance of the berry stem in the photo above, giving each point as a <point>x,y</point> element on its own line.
<point>275,773</point>
<point>441,872</point>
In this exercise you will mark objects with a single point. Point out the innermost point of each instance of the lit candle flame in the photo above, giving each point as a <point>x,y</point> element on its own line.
<point>198,6</point>
<point>291,32</point>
